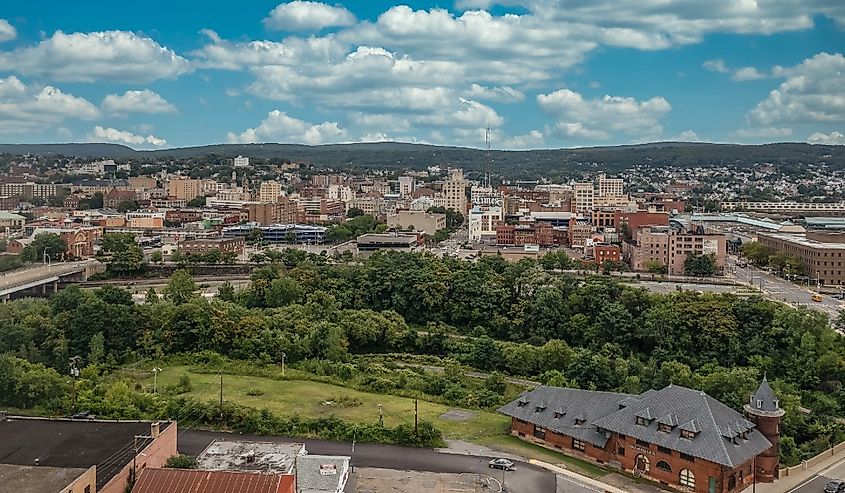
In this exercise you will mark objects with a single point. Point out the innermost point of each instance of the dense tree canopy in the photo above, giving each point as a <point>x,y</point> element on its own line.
<point>515,318</point>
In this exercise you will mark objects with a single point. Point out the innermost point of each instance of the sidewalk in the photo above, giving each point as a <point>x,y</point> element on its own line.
<point>799,478</point>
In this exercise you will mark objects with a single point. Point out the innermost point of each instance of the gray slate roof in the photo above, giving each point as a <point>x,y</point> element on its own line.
<point>766,397</point>
<point>542,404</point>
<point>718,440</point>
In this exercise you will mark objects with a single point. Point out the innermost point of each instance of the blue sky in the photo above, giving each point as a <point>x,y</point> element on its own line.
<point>539,73</point>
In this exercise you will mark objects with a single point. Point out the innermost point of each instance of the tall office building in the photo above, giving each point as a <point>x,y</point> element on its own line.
<point>269,192</point>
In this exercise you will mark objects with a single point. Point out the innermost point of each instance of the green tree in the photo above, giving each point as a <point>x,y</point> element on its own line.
<point>700,265</point>
<point>97,349</point>
<point>151,297</point>
<point>157,257</point>
<point>354,212</point>
<point>655,267</point>
<point>556,260</point>
<point>96,201</point>
<point>197,202</point>
<point>127,205</point>
<point>51,243</point>
<point>757,253</point>
<point>181,288</point>
<point>114,295</point>
<point>126,256</point>
<point>226,292</point>
<point>181,461</point>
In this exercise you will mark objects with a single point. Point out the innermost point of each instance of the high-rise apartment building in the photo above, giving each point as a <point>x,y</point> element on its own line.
<point>407,185</point>
<point>610,187</point>
<point>584,197</point>
<point>453,194</point>
<point>269,192</point>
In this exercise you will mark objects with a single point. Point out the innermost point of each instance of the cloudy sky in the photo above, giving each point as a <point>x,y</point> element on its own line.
<point>538,73</point>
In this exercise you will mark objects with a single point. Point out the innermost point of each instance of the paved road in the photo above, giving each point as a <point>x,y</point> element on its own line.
<point>816,484</point>
<point>779,289</point>
<point>526,479</point>
<point>21,277</point>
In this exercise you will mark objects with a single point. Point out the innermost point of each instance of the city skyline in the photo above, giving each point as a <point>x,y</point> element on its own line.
<point>538,73</point>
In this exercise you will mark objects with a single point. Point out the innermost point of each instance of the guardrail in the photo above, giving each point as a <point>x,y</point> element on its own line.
<point>813,461</point>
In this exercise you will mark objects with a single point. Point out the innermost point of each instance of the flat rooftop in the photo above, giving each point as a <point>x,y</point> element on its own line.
<point>67,443</point>
<point>278,458</point>
<point>32,479</point>
<point>802,240</point>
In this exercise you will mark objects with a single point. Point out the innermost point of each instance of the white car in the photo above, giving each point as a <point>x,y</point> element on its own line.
<point>503,464</point>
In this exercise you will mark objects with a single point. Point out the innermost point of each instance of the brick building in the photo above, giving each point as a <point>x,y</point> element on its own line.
<point>821,253</point>
<point>607,253</point>
<point>116,196</point>
<point>677,436</point>
<point>670,248</point>
<point>284,211</point>
<point>530,233</point>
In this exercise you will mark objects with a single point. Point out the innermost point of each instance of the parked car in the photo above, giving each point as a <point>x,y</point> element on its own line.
<point>838,296</point>
<point>835,486</point>
<point>816,297</point>
<point>503,464</point>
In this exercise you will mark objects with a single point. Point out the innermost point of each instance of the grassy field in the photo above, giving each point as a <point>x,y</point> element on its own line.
<point>308,398</point>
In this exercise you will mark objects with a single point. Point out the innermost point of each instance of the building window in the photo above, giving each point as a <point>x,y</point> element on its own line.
<point>642,421</point>
<point>687,457</point>
<point>688,434</point>
<point>87,489</point>
<point>578,444</point>
<point>623,437</point>
<point>664,450</point>
<point>620,451</point>
<point>664,466</point>
<point>642,443</point>
<point>687,478</point>
<point>539,432</point>
<point>664,428</point>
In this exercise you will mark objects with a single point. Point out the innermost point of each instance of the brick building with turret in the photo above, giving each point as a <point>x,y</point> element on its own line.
<point>682,438</point>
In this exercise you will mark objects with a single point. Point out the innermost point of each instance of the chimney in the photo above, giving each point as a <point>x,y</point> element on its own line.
<point>2,415</point>
<point>155,429</point>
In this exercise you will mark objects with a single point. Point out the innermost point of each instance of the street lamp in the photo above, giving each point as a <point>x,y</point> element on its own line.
<point>156,371</point>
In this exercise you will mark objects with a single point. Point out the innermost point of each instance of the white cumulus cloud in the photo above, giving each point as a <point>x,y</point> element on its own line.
<point>501,94</point>
<point>7,31</point>
<point>302,15</point>
<point>90,57</point>
<point>145,101</point>
<point>592,118</point>
<point>832,138</point>
<point>717,65</point>
<point>31,108</point>
<point>124,137</point>
<point>279,127</point>
<point>747,73</point>
<point>812,92</point>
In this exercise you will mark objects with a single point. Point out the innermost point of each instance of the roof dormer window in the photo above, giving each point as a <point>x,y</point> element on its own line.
<point>759,404</point>
<point>689,435</point>
<point>664,428</point>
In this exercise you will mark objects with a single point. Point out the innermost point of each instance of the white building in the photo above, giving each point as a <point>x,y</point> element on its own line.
<point>611,187</point>
<point>485,196</point>
<point>482,223</point>
<point>407,185</point>
<point>241,162</point>
<point>342,193</point>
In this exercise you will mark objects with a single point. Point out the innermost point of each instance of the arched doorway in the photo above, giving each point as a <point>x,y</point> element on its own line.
<point>641,464</point>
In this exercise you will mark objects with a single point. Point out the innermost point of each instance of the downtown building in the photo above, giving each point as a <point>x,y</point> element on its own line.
<point>679,437</point>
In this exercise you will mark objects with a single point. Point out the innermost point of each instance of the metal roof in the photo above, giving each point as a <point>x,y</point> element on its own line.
<point>194,481</point>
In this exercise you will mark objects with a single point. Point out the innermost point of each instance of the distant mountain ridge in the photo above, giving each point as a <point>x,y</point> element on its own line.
<point>530,163</point>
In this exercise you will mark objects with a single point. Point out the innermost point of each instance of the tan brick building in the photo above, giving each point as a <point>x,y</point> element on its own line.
<point>822,253</point>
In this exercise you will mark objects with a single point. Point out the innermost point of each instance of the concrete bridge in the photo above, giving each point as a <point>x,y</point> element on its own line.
<point>45,279</point>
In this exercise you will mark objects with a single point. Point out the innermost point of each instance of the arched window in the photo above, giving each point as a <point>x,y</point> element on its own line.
<point>664,466</point>
<point>687,478</point>
<point>641,464</point>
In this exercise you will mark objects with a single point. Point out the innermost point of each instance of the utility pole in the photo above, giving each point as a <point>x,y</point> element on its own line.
<point>416,415</point>
<point>221,396</point>
<point>283,363</point>
<point>136,450</point>
<point>380,415</point>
